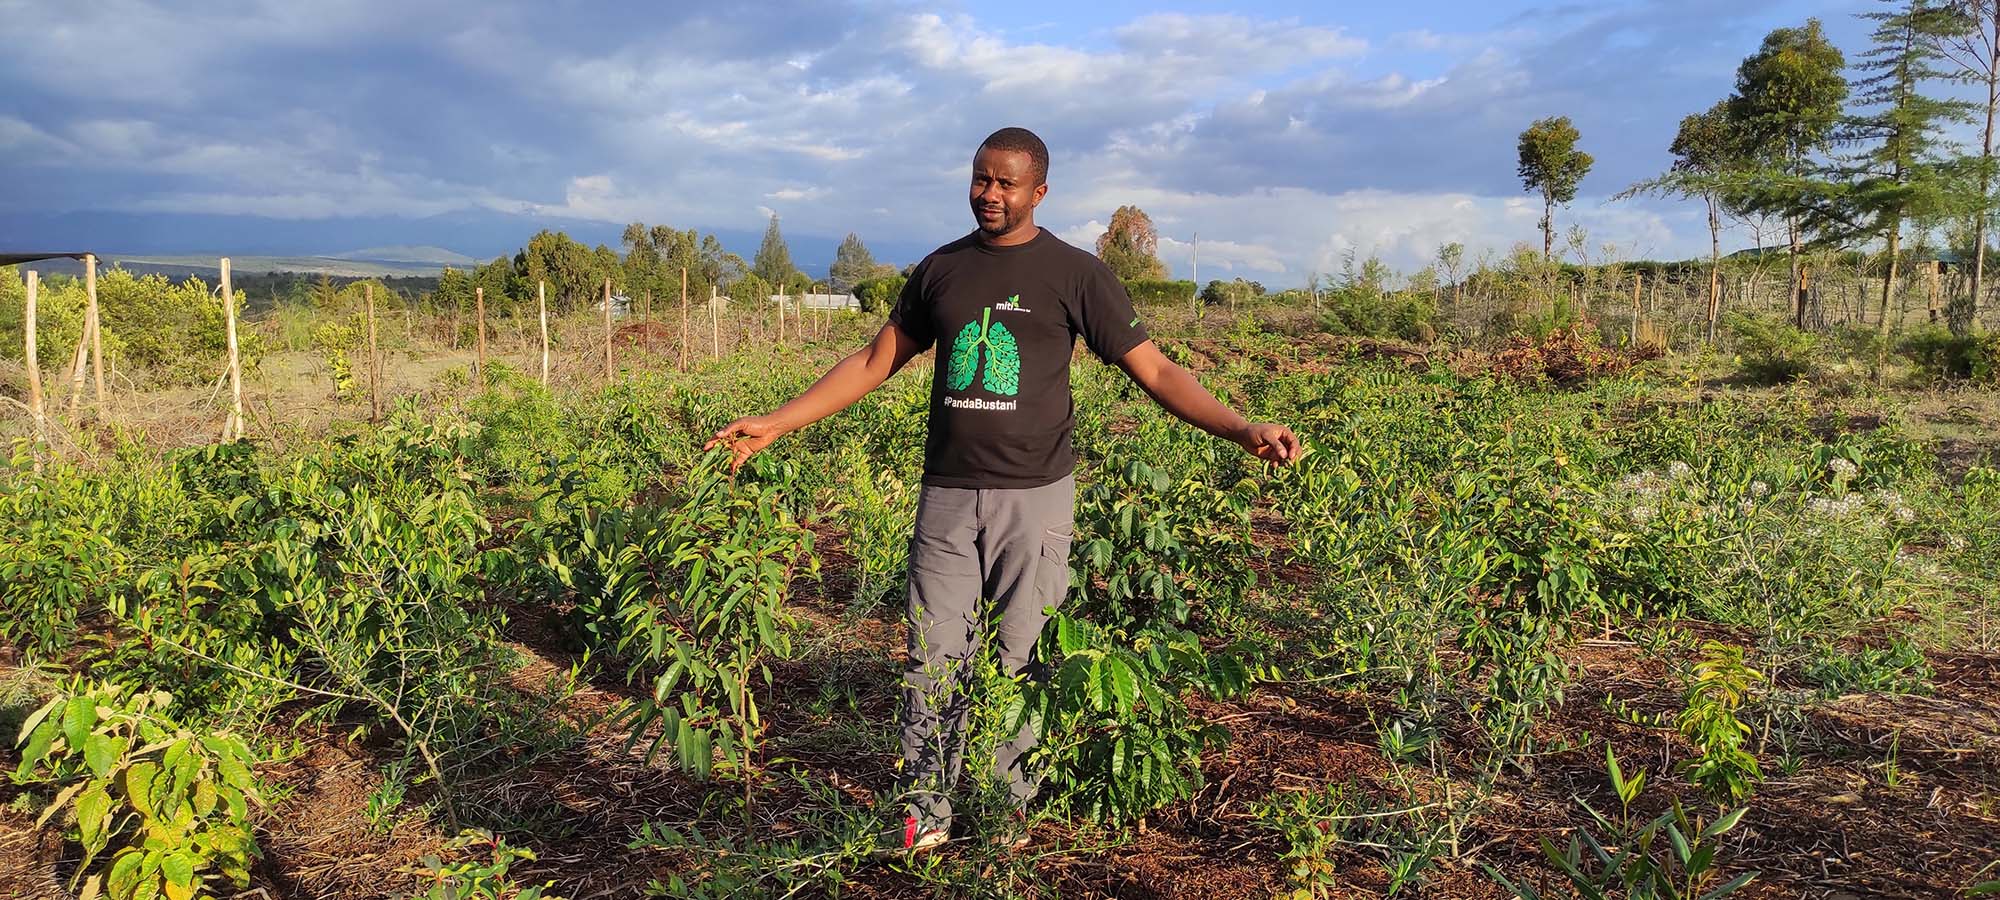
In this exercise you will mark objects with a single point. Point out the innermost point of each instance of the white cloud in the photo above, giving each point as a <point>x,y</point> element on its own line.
<point>1283,143</point>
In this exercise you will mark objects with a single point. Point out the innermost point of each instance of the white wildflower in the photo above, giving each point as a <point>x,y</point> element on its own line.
<point>1678,470</point>
<point>1643,514</point>
<point>1759,489</point>
<point>1841,468</point>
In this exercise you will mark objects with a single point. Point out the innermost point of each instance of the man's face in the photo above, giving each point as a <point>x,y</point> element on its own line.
<point>1004,191</point>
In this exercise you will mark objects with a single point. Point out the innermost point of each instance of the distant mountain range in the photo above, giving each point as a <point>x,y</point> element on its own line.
<point>189,242</point>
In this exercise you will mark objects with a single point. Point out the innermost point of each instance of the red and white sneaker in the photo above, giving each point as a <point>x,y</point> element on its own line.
<point>915,836</point>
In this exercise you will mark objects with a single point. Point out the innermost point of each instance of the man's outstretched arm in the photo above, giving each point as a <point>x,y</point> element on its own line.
<point>849,380</point>
<point>1177,391</point>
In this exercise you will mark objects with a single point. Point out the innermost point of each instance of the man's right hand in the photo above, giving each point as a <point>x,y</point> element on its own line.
<point>745,437</point>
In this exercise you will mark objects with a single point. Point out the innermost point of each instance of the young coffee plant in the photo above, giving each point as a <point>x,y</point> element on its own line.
<point>1672,857</point>
<point>1118,740</point>
<point>477,879</point>
<point>690,592</point>
<point>1147,545</point>
<point>1721,685</point>
<point>158,810</point>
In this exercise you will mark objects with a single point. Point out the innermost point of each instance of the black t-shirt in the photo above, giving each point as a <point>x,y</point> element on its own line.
<point>1005,320</point>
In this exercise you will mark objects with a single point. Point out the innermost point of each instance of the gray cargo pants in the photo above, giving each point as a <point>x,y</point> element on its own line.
<point>1012,548</point>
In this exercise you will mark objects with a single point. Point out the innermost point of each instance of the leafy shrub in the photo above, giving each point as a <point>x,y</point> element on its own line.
<point>1118,740</point>
<point>1939,354</point>
<point>1770,350</point>
<point>170,805</point>
<point>476,879</point>
<point>1721,686</point>
<point>878,295</point>
<point>1899,668</point>
<point>1672,857</point>
<point>690,590</point>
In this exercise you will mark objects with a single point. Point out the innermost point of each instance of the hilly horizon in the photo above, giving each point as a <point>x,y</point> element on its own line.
<point>462,239</point>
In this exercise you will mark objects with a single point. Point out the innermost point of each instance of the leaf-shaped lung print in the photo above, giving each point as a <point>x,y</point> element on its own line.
<point>964,358</point>
<point>1003,362</point>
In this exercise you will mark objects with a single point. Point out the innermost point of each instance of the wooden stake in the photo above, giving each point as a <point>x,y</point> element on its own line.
<point>1936,293</point>
<point>479,312</point>
<point>781,317</point>
<point>374,358</point>
<point>542,296</point>
<point>96,317</point>
<point>78,363</point>
<point>232,427</point>
<point>1638,280</point>
<point>34,361</point>
<point>607,331</point>
<point>714,323</point>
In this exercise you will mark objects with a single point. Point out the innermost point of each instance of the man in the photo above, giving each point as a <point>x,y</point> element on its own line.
<point>994,516</point>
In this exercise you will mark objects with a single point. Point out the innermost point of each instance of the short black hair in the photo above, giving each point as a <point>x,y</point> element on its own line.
<point>1021,140</point>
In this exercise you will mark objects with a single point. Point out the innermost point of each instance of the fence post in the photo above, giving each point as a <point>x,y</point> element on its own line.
<point>542,299</point>
<point>607,331</point>
<point>232,427</point>
<point>714,323</point>
<point>374,358</point>
<point>686,335</point>
<point>31,356</point>
<point>96,327</point>
<point>479,312</point>
<point>1638,281</point>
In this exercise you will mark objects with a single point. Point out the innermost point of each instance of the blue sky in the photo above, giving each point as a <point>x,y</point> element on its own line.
<point>1285,134</point>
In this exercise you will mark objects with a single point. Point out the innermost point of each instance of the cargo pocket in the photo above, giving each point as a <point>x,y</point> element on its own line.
<point>1052,577</point>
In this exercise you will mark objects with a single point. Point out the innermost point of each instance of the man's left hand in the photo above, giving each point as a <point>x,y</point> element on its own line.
<point>1270,442</point>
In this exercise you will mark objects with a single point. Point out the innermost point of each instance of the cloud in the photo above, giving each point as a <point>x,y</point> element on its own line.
<point>1284,142</point>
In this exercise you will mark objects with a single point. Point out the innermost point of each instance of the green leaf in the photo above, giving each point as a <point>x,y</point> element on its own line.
<point>34,719</point>
<point>124,876</point>
<point>1124,685</point>
<point>101,751</point>
<point>1727,821</point>
<point>1739,881</point>
<point>38,748</point>
<point>79,717</point>
<point>179,870</point>
<point>93,817</point>
<point>139,786</point>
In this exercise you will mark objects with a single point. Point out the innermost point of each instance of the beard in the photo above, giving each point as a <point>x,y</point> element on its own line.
<point>997,225</point>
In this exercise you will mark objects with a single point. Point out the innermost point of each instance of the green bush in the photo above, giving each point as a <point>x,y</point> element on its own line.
<point>878,295</point>
<point>1771,350</point>
<point>1939,354</point>
<point>171,805</point>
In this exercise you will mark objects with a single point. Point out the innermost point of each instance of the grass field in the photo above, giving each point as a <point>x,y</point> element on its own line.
<point>1395,669</point>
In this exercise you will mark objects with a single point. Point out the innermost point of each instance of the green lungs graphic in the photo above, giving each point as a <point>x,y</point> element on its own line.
<point>1003,357</point>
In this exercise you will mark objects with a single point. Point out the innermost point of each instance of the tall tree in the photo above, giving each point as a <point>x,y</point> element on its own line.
<point>643,273</point>
<point>571,270</point>
<point>773,262</point>
<point>852,264</point>
<point>1708,157</point>
<point>1972,44</point>
<point>1788,99</point>
<point>1130,247</point>
<point>1551,164</point>
<point>1899,173</point>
